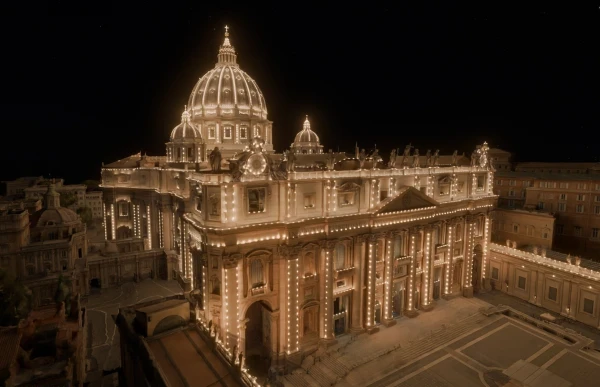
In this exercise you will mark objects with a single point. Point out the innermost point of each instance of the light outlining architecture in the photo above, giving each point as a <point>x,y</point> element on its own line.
<point>286,250</point>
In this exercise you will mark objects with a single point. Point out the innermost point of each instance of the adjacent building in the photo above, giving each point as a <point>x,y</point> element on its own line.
<point>525,227</point>
<point>40,248</point>
<point>282,251</point>
<point>93,200</point>
<point>572,198</point>
<point>48,348</point>
<point>162,344</point>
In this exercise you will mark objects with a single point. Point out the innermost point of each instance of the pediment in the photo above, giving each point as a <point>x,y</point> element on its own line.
<point>408,199</point>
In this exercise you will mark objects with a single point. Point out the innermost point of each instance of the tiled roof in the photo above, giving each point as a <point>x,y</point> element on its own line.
<point>547,176</point>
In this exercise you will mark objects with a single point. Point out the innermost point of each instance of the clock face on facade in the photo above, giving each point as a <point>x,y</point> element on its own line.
<point>256,164</point>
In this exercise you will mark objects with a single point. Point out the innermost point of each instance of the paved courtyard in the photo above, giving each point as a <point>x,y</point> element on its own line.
<point>101,308</point>
<point>453,345</point>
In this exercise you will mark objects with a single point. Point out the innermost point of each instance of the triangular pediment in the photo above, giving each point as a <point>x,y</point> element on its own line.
<point>409,198</point>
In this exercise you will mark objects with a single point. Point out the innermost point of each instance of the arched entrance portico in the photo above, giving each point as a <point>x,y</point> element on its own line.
<point>257,339</point>
<point>476,270</point>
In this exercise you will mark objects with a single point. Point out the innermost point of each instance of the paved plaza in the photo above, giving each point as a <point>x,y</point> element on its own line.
<point>102,306</point>
<point>453,345</point>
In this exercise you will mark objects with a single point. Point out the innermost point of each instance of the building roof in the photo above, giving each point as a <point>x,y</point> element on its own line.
<point>585,263</point>
<point>526,212</point>
<point>187,360</point>
<point>546,176</point>
<point>161,306</point>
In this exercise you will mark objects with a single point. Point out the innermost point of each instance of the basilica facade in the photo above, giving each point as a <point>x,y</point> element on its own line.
<point>286,251</point>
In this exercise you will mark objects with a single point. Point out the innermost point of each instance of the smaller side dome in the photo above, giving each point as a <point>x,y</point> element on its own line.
<point>186,130</point>
<point>306,140</point>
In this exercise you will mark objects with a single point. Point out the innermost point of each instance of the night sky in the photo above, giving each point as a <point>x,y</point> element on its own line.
<point>87,82</point>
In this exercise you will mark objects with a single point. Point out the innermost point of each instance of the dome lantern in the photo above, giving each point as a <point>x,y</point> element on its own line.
<point>227,52</point>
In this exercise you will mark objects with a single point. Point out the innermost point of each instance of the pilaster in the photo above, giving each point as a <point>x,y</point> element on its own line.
<point>292,307</point>
<point>468,258</point>
<point>427,269</point>
<point>449,259</point>
<point>371,283</point>
<point>229,311</point>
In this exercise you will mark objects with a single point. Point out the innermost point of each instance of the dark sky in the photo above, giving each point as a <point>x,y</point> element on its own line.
<point>87,82</point>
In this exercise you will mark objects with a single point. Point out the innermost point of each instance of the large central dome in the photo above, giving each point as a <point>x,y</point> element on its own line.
<point>227,88</point>
<point>228,106</point>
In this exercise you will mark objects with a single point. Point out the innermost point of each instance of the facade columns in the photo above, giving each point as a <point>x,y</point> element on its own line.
<point>388,284</point>
<point>427,282</point>
<point>410,310</point>
<point>326,298</point>
<point>371,282</point>
<point>292,263</point>
<point>449,274</point>
<point>359,284</point>
<point>229,311</point>
<point>468,258</point>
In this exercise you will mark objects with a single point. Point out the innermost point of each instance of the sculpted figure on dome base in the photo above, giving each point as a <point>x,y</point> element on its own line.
<point>406,155</point>
<point>330,159</point>
<point>215,159</point>
<point>415,163</point>
<point>362,156</point>
<point>474,158</point>
<point>428,160</point>
<point>455,158</point>
<point>291,160</point>
<point>392,162</point>
<point>436,157</point>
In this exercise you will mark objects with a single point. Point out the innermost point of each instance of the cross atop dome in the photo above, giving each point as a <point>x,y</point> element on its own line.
<point>185,116</point>
<point>306,125</point>
<point>226,51</point>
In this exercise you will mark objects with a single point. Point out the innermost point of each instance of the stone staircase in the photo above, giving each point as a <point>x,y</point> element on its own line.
<point>334,367</point>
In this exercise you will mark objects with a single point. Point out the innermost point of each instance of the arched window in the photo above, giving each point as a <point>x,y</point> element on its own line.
<point>340,256</point>
<point>256,273</point>
<point>397,246</point>
<point>309,264</point>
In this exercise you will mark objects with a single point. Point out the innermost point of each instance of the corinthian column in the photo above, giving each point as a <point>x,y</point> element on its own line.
<point>388,284</point>
<point>359,284</point>
<point>427,269</point>
<point>410,310</point>
<point>326,311</point>
<point>371,283</point>
<point>468,258</point>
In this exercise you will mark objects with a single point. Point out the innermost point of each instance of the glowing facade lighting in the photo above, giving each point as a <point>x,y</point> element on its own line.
<point>105,225</point>
<point>486,235</point>
<point>411,273</point>
<point>449,263</point>
<point>149,227</point>
<point>370,285</point>
<point>327,286</point>
<point>388,278</point>
<point>226,307</point>
<point>426,274</point>
<point>113,227</point>
<point>161,228</point>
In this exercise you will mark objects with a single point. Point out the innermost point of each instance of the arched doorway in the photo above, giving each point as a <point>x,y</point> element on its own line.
<point>476,270</point>
<point>258,340</point>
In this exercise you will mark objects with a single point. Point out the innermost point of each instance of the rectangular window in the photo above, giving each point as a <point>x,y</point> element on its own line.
<point>597,210</point>
<point>545,235</point>
<point>227,131</point>
<point>495,273</point>
<point>346,198</point>
<point>562,196</point>
<point>552,293</point>
<point>577,230</point>
<point>563,185</point>
<point>595,232</point>
<point>511,202</point>
<point>256,199</point>
<point>562,207</point>
<point>580,197</point>
<point>480,182</point>
<point>597,198</point>
<point>499,182</point>
<point>588,306</point>
<point>530,230</point>
<point>581,186</point>
<point>515,228</point>
<point>597,187</point>
<point>580,208</point>
<point>521,283</point>
<point>211,132</point>
<point>244,132</point>
<point>123,209</point>
<point>541,205</point>
<point>526,184</point>
<point>543,184</point>
<point>513,183</point>
<point>309,200</point>
<point>511,193</point>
